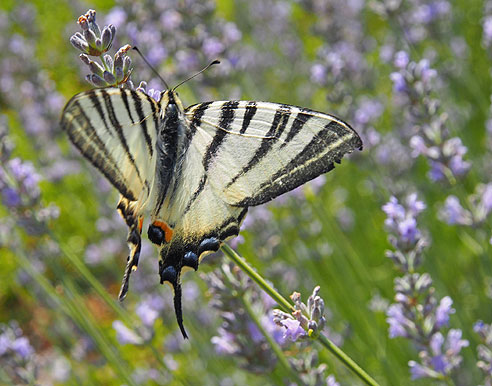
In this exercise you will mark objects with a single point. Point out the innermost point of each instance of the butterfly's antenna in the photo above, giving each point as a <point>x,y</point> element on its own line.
<point>198,73</point>
<point>152,68</point>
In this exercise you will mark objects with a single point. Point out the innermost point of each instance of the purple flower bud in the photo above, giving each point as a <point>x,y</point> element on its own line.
<point>454,343</point>
<point>418,371</point>
<point>401,59</point>
<point>106,38</point>
<point>454,213</point>
<point>119,74</point>
<point>90,37</point>
<point>118,61</point>
<point>22,347</point>
<point>109,77</point>
<point>331,381</point>
<point>397,321</point>
<point>109,61</point>
<point>393,209</point>
<point>458,166</point>
<point>127,63</point>
<point>443,311</point>
<point>414,205</point>
<point>96,80</point>
<point>437,171</point>
<point>99,46</point>
<point>399,82</point>
<point>293,329</point>
<point>11,197</point>
<point>96,68</point>
<point>79,43</point>
<point>408,230</point>
<point>85,59</point>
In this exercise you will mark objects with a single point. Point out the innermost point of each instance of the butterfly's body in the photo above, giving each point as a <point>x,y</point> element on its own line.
<point>194,172</point>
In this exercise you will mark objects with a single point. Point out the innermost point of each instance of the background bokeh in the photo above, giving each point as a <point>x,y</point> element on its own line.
<point>411,76</point>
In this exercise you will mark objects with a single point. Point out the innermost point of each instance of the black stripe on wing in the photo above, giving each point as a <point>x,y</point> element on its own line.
<point>86,139</point>
<point>227,113</point>
<point>137,103</point>
<point>308,164</point>
<point>226,117</point>
<point>250,112</point>
<point>119,130</point>
<point>96,103</point>
<point>296,127</point>
<point>276,129</point>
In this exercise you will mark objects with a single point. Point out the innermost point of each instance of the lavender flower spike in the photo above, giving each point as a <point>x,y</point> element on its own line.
<point>111,72</point>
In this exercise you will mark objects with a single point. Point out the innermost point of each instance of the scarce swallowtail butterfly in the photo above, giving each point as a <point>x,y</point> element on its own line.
<point>193,172</point>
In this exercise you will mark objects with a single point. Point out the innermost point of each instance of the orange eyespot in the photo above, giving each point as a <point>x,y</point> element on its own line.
<point>168,231</point>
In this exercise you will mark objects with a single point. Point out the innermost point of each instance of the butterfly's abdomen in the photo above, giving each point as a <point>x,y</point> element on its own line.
<point>169,140</point>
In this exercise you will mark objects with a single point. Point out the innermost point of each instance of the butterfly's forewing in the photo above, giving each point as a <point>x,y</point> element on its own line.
<point>266,149</point>
<point>116,129</point>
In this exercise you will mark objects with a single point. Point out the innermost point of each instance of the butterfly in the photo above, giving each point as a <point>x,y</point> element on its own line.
<point>193,172</point>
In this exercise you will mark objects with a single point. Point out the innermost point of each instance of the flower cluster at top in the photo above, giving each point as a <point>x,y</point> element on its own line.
<point>417,314</point>
<point>94,42</point>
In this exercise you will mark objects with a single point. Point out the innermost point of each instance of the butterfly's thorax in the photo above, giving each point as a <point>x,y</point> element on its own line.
<point>170,139</point>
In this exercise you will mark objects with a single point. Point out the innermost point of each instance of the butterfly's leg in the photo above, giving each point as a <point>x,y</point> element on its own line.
<point>134,240</point>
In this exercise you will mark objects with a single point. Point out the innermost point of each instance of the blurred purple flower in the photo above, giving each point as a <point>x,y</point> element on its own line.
<point>401,59</point>
<point>397,321</point>
<point>22,347</point>
<point>443,311</point>
<point>318,73</point>
<point>146,313</point>
<point>224,343</point>
<point>399,83</point>
<point>331,381</point>
<point>11,197</point>
<point>125,335</point>
<point>453,213</point>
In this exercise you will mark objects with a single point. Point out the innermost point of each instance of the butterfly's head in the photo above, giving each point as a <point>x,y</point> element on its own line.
<point>170,103</point>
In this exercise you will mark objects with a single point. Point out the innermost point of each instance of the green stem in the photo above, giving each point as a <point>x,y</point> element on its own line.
<point>281,301</point>
<point>288,307</point>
